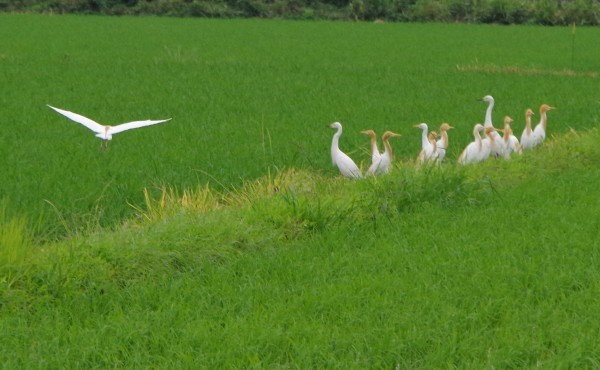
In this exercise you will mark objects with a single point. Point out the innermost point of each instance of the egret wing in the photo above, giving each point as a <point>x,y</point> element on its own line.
<point>92,125</point>
<point>135,124</point>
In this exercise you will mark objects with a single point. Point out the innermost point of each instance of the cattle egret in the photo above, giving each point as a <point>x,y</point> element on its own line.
<point>474,151</point>
<point>526,139</point>
<point>511,143</point>
<point>496,150</point>
<point>490,145</point>
<point>346,165</point>
<point>105,132</point>
<point>428,147</point>
<point>375,155</point>
<point>539,132</point>
<point>442,144</point>
<point>382,165</point>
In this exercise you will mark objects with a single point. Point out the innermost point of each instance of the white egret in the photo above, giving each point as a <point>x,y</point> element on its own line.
<point>491,146</point>
<point>474,151</point>
<point>511,143</point>
<point>442,144</point>
<point>496,150</point>
<point>106,132</point>
<point>428,147</point>
<point>526,139</point>
<point>539,132</point>
<point>346,165</point>
<point>488,113</point>
<point>375,155</point>
<point>383,163</point>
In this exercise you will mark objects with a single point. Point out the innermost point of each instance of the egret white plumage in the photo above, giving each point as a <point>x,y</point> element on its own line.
<point>496,150</point>
<point>442,144</point>
<point>474,151</point>
<point>383,163</point>
<point>428,148</point>
<point>105,132</point>
<point>511,143</point>
<point>490,145</point>
<point>375,155</point>
<point>539,132</point>
<point>345,164</point>
<point>526,138</point>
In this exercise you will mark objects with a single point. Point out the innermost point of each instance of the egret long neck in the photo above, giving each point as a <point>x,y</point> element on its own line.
<point>388,148</point>
<point>543,120</point>
<point>335,144</point>
<point>374,149</point>
<point>488,114</point>
<point>445,139</point>
<point>528,124</point>
<point>507,133</point>
<point>424,139</point>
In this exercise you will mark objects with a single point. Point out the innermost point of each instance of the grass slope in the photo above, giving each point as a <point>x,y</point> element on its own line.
<point>492,266</point>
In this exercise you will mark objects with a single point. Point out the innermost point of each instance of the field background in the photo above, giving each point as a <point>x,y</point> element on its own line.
<point>247,248</point>
<point>248,96</point>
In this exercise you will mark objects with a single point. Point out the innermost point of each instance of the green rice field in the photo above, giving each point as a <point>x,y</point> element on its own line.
<point>225,238</point>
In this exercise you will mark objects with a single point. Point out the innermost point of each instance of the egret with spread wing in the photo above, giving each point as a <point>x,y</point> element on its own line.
<point>106,132</point>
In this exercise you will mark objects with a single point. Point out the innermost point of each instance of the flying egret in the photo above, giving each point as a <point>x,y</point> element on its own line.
<point>526,139</point>
<point>346,165</point>
<point>428,147</point>
<point>474,151</point>
<point>539,132</point>
<point>383,163</point>
<point>511,143</point>
<point>496,150</point>
<point>375,155</point>
<point>442,144</point>
<point>105,132</point>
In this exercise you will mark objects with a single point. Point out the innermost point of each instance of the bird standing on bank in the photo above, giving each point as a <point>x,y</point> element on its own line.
<point>345,164</point>
<point>511,143</point>
<point>539,132</point>
<point>106,132</point>
<point>496,150</point>
<point>442,144</point>
<point>474,151</point>
<point>383,163</point>
<point>526,138</point>
<point>490,145</point>
<point>375,155</point>
<point>428,148</point>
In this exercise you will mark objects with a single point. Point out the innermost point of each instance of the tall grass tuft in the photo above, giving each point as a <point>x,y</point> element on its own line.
<point>170,201</point>
<point>16,248</point>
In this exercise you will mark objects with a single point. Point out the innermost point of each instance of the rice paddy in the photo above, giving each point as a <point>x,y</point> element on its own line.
<point>225,238</point>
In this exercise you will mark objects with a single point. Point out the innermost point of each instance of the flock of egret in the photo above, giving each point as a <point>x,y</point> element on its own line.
<point>434,145</point>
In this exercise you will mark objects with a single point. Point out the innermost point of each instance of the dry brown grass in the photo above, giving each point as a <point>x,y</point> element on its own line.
<point>491,68</point>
